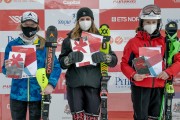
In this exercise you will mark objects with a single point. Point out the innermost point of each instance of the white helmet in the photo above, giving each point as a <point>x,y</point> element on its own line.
<point>29,16</point>
<point>150,12</point>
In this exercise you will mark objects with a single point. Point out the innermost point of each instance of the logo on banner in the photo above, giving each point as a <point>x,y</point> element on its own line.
<point>6,86</point>
<point>61,86</point>
<point>60,40</point>
<point>176,1</point>
<point>119,39</point>
<point>176,107</point>
<point>8,106</point>
<point>124,1</point>
<point>71,2</point>
<point>15,19</point>
<point>7,1</point>
<point>59,44</point>
<point>67,109</point>
<point>122,83</point>
<point>10,38</point>
<point>125,19</point>
<point>68,22</point>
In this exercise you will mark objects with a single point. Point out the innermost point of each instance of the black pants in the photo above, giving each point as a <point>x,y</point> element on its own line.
<point>19,108</point>
<point>85,99</point>
<point>146,102</point>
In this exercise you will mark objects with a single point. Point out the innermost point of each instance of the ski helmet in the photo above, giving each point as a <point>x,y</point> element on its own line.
<point>150,12</point>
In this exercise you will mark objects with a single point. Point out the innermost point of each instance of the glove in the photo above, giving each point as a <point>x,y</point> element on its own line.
<point>99,57</point>
<point>73,57</point>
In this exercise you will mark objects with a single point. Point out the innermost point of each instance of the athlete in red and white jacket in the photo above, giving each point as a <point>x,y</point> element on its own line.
<point>131,51</point>
<point>147,92</point>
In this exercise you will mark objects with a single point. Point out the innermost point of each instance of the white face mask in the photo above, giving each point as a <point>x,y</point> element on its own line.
<point>150,28</point>
<point>85,25</point>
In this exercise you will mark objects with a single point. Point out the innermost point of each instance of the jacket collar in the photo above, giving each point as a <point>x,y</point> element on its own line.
<point>145,36</point>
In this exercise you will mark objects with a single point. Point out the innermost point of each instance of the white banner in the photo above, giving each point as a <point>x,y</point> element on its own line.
<point>21,4</point>
<point>170,15</point>
<point>59,108</point>
<point>65,19</point>
<point>8,36</point>
<point>120,38</point>
<point>5,85</point>
<point>118,83</point>
<point>176,109</point>
<point>123,4</point>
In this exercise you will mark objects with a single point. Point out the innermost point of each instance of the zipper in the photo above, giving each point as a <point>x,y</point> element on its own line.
<point>28,96</point>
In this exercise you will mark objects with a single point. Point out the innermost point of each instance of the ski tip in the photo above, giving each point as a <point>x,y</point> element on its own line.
<point>51,34</point>
<point>104,30</point>
<point>171,26</point>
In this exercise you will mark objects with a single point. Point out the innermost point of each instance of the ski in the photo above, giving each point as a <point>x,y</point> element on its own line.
<point>44,73</point>
<point>172,48</point>
<point>105,32</point>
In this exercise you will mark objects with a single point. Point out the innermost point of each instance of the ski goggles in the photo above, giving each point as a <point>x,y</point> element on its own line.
<point>151,8</point>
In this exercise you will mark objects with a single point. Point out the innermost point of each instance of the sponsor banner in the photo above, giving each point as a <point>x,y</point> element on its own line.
<point>118,83</point>
<point>21,4</point>
<point>61,36</point>
<point>177,92</point>
<point>5,85</point>
<point>120,102</point>
<point>117,68</point>
<point>12,18</point>
<point>61,85</point>
<point>120,19</point>
<point>170,15</point>
<point>176,109</point>
<point>121,4</point>
<point>65,19</point>
<point>0,107</point>
<point>71,4</point>
<point>177,80</point>
<point>119,38</point>
<point>8,36</point>
<point>59,108</point>
<point>6,114</point>
<point>168,3</point>
<point>1,60</point>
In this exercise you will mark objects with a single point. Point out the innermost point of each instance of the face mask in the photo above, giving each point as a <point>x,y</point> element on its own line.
<point>29,31</point>
<point>85,25</point>
<point>150,28</point>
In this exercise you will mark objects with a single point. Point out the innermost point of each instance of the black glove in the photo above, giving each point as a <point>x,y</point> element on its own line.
<point>99,57</point>
<point>73,57</point>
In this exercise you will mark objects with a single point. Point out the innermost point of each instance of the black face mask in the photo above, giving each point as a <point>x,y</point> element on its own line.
<point>29,31</point>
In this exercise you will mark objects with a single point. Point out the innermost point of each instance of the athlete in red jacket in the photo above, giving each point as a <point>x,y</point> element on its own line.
<point>147,91</point>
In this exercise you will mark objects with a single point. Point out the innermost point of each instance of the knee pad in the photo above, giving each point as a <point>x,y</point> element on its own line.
<point>91,117</point>
<point>78,115</point>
